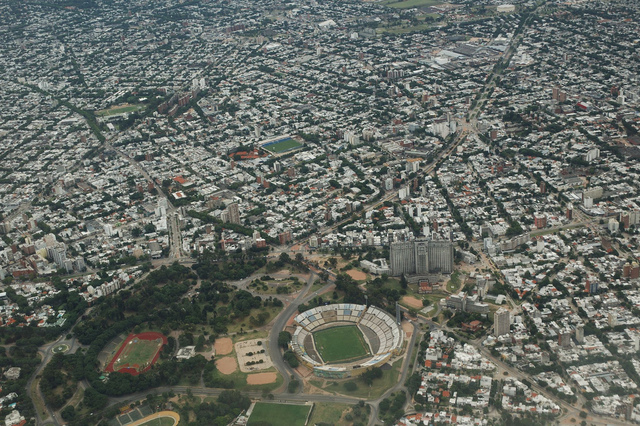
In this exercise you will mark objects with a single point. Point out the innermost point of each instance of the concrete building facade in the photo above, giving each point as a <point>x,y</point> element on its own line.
<point>501,322</point>
<point>421,257</point>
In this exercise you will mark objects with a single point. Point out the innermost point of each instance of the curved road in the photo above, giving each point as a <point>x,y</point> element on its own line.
<point>278,325</point>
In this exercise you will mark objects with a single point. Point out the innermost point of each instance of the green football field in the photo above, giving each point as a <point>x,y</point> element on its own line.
<point>340,344</point>
<point>283,146</point>
<point>406,4</point>
<point>137,354</point>
<point>279,414</point>
<point>118,110</point>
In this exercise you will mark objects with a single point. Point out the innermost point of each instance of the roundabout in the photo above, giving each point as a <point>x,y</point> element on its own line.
<point>60,349</point>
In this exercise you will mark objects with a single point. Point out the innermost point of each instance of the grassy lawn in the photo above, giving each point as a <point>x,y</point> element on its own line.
<point>284,414</point>
<point>37,401</point>
<point>394,284</point>
<point>244,324</point>
<point>431,311</point>
<point>410,3</point>
<point>271,287</point>
<point>283,146</point>
<point>339,344</point>
<point>240,380</point>
<point>260,334</point>
<point>328,413</point>
<point>379,386</point>
<point>76,398</point>
<point>434,297</point>
<point>317,285</point>
<point>454,283</point>
<point>118,110</point>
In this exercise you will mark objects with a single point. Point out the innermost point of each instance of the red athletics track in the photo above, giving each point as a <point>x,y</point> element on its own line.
<point>148,335</point>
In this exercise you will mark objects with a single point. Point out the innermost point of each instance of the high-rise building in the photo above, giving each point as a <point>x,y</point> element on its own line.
<point>564,338</point>
<point>421,257</point>
<point>285,237</point>
<point>501,322</point>
<point>58,253</point>
<point>540,221</point>
<point>234,213</point>
<point>580,334</point>
<point>441,256</point>
<point>402,258</point>
<point>591,286</point>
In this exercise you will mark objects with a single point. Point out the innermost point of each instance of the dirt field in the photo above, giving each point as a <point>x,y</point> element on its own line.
<point>412,301</point>
<point>261,378</point>
<point>227,365</point>
<point>407,328</point>
<point>223,346</point>
<point>357,275</point>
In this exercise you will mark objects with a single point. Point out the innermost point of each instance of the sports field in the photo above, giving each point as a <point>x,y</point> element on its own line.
<point>340,344</point>
<point>120,109</point>
<point>407,4</point>
<point>279,414</point>
<point>162,421</point>
<point>137,353</point>
<point>282,146</point>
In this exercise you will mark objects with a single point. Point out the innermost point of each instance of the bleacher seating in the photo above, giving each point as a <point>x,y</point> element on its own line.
<point>383,324</point>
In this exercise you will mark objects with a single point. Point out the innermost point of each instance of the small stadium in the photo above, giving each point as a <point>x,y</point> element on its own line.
<point>281,145</point>
<point>137,353</point>
<point>344,340</point>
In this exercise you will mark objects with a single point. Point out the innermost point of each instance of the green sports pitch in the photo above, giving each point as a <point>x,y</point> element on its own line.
<point>340,344</point>
<point>407,4</point>
<point>279,414</point>
<point>282,145</point>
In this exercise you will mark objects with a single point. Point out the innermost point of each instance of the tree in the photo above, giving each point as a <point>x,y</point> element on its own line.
<point>291,359</point>
<point>69,413</point>
<point>284,337</point>
<point>94,400</point>
<point>370,375</point>
<point>293,386</point>
<point>350,386</point>
<point>200,343</point>
<point>403,281</point>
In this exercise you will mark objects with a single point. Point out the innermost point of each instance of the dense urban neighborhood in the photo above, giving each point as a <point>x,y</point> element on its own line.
<point>228,212</point>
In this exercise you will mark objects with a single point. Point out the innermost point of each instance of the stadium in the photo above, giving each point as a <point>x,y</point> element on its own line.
<point>280,145</point>
<point>344,340</point>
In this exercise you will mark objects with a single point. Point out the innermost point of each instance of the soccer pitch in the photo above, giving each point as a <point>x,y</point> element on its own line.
<point>340,344</point>
<point>121,109</point>
<point>137,353</point>
<point>281,414</point>
<point>406,4</point>
<point>282,146</point>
